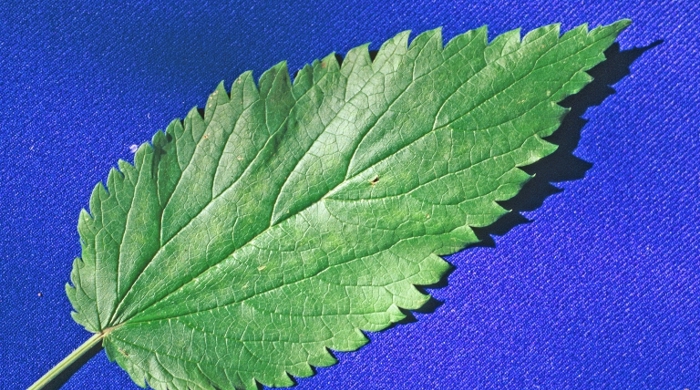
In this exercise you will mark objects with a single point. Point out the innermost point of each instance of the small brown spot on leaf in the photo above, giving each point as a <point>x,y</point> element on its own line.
<point>206,136</point>
<point>123,352</point>
<point>374,181</point>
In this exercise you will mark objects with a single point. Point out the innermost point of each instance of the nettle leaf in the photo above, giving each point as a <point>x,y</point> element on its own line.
<point>244,244</point>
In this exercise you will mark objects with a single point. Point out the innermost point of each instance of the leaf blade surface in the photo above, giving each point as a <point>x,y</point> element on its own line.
<point>290,217</point>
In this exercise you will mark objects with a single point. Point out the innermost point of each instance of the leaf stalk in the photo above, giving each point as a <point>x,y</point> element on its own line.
<point>60,373</point>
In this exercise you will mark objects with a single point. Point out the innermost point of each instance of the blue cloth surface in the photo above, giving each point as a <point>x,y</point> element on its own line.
<point>600,290</point>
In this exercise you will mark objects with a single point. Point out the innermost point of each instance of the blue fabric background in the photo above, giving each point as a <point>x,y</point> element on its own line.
<point>600,290</point>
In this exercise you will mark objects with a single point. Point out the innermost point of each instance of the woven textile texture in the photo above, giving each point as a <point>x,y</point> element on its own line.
<point>596,284</point>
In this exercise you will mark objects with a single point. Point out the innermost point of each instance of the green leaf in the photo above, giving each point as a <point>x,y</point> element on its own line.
<point>244,244</point>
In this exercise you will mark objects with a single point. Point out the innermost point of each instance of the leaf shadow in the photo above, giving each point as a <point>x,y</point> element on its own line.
<point>562,165</point>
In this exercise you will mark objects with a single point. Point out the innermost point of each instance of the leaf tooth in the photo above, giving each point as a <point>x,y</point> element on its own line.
<point>613,29</point>
<point>583,28</point>
<point>502,45</point>
<point>321,68</point>
<point>130,172</point>
<point>275,89</point>
<point>600,38</point>
<point>70,290</point>
<point>532,36</point>
<point>217,98</point>
<point>431,270</point>
<point>243,90</point>
<point>391,52</point>
<point>513,182</point>
<point>277,378</point>
<point>330,63</point>
<point>301,370</point>
<point>357,69</point>
<point>175,128</point>
<point>560,112</point>
<point>83,295</point>
<point>248,382</point>
<point>395,313</point>
<point>320,356</point>
<point>216,377</point>
<point>99,194</point>
<point>193,125</point>
<point>269,84</point>
<point>490,212</point>
<point>159,139</point>
<point>406,296</point>
<point>128,169</point>
<point>85,230</point>
<point>282,379</point>
<point>461,41</point>
<point>192,114</point>
<point>303,80</point>
<point>427,39</point>
<point>573,86</point>
<point>427,49</point>
<point>537,148</point>
<point>348,339</point>
<point>357,57</point>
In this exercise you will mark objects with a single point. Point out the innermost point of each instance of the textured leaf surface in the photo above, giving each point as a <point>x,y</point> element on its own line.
<point>290,217</point>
